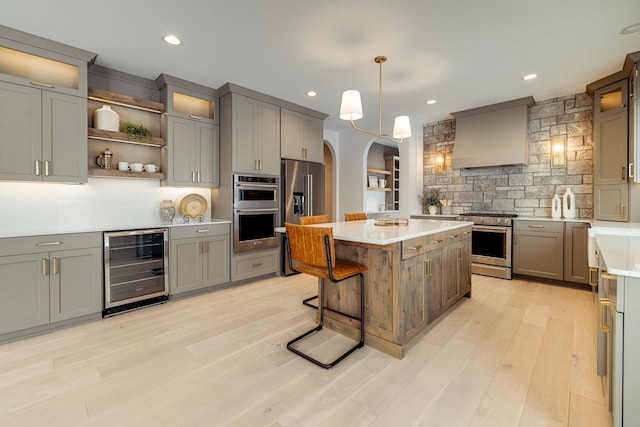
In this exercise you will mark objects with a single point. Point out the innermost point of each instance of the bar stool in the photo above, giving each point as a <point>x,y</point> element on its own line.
<point>308,220</point>
<point>313,250</point>
<point>355,216</point>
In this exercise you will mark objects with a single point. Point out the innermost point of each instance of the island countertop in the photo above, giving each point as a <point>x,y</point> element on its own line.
<point>365,231</point>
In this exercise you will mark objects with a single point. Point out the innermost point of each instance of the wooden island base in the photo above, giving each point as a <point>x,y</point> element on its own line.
<point>408,285</point>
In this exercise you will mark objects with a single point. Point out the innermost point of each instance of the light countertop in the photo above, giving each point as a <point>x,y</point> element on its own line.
<point>619,245</point>
<point>366,231</point>
<point>23,230</point>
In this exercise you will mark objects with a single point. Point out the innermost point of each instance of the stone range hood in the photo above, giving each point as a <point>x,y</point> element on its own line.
<point>494,135</point>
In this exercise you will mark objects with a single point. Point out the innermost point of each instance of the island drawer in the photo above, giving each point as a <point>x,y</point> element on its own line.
<point>421,245</point>
<point>202,230</point>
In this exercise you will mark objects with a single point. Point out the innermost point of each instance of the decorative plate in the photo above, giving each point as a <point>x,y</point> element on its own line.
<point>193,205</point>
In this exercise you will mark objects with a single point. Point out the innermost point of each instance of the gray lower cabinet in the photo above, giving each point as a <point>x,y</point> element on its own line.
<point>576,264</point>
<point>193,152</point>
<point>48,279</point>
<point>43,135</point>
<point>199,257</point>
<point>538,248</point>
<point>254,264</point>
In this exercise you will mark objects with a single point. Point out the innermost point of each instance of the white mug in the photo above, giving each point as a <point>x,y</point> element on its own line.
<point>151,168</point>
<point>136,167</point>
<point>123,166</point>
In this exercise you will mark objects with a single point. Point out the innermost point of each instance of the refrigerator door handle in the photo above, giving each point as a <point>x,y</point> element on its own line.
<point>309,193</point>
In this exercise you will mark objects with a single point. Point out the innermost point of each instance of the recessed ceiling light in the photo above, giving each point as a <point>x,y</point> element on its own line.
<point>629,29</point>
<point>529,77</point>
<point>312,93</point>
<point>172,40</point>
<point>431,102</point>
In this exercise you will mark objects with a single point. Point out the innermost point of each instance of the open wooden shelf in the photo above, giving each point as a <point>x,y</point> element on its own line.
<point>107,135</point>
<point>114,173</point>
<point>126,101</point>
<point>378,171</point>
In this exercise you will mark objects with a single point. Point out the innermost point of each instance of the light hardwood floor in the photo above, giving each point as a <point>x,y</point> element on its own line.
<point>519,353</point>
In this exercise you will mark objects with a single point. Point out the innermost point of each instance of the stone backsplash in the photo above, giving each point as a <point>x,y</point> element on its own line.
<point>523,189</point>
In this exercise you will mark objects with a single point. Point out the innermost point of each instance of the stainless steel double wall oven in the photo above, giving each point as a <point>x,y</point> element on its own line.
<point>255,212</point>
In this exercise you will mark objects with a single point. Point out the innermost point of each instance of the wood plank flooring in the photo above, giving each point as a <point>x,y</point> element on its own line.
<point>519,353</point>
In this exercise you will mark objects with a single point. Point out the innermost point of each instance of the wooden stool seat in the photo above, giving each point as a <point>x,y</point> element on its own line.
<point>311,251</point>
<point>356,216</point>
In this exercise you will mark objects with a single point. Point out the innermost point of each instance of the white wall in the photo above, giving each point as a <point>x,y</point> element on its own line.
<point>351,148</point>
<point>27,208</point>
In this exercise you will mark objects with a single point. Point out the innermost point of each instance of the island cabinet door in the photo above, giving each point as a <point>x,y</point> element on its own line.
<point>414,273</point>
<point>433,284</point>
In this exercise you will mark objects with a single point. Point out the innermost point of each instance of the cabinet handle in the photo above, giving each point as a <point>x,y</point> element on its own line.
<point>195,117</point>
<point>198,176</point>
<point>260,164</point>
<point>623,173</point>
<point>466,232</point>
<point>632,170</point>
<point>593,273</point>
<point>37,167</point>
<point>415,248</point>
<point>204,230</point>
<point>622,210</point>
<point>459,252</point>
<point>54,266</point>
<point>453,236</point>
<point>44,266</point>
<point>193,176</point>
<point>609,276</point>
<point>206,249</point>
<point>42,84</point>
<point>199,247</point>
<point>604,302</point>
<point>427,267</point>
<point>48,243</point>
<point>435,242</point>
<point>46,168</point>
<point>536,226</point>
<point>257,264</point>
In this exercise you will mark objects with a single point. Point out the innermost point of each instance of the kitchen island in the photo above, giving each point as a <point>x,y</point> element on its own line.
<point>416,272</point>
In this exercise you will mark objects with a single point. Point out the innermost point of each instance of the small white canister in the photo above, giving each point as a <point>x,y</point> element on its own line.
<point>106,119</point>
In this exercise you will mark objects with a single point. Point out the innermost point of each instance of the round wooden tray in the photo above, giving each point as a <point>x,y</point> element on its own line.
<point>193,205</point>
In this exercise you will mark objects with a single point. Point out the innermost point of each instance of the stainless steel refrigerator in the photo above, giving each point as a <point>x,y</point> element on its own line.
<point>302,195</point>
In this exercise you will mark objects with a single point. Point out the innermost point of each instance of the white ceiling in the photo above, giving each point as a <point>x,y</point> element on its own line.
<point>464,53</point>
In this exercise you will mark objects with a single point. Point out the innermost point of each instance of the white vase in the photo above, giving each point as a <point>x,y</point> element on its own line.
<point>556,207</point>
<point>106,119</point>
<point>432,210</point>
<point>569,204</point>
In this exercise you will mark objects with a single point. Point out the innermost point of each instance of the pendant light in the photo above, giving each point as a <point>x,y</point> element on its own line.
<point>351,109</point>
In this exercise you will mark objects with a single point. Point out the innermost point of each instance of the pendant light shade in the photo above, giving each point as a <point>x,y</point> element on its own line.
<point>351,105</point>
<point>351,109</point>
<point>401,127</point>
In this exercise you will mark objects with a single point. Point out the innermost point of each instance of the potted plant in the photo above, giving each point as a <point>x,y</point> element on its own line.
<point>430,199</point>
<point>137,130</point>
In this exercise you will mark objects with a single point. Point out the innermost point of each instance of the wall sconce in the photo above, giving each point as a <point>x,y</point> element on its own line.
<point>558,150</point>
<point>439,163</point>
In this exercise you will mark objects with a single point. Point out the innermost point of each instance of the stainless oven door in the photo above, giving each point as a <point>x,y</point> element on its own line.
<point>491,245</point>
<point>254,229</point>
<point>251,195</point>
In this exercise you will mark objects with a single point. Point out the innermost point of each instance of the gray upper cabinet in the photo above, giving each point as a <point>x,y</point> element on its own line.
<point>302,137</point>
<point>190,126</point>
<point>192,155</point>
<point>610,134</point>
<point>43,135</point>
<point>255,136</point>
<point>43,104</point>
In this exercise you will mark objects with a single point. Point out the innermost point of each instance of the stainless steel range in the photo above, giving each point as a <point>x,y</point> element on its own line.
<point>490,243</point>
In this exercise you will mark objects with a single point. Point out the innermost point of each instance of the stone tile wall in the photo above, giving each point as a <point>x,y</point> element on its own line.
<point>523,189</point>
